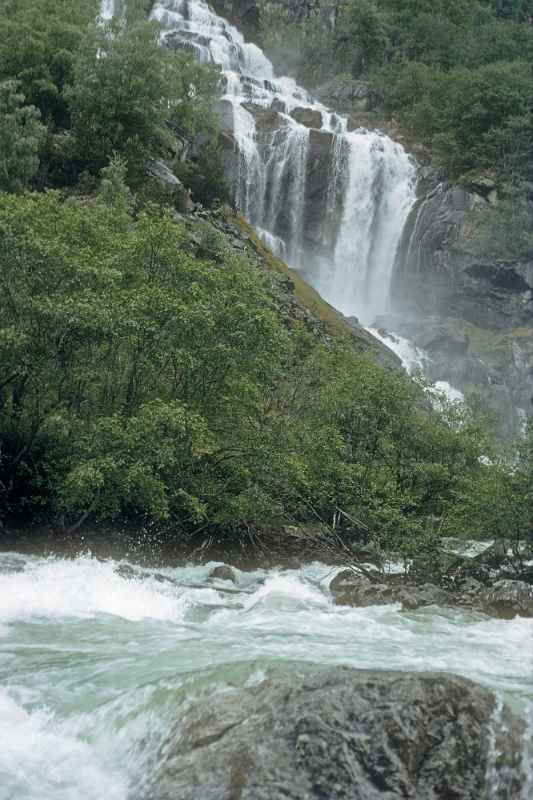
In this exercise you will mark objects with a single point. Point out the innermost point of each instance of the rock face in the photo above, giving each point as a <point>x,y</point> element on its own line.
<point>505,599</point>
<point>437,272</point>
<point>161,173</point>
<point>347,95</point>
<point>248,14</point>
<point>474,315</point>
<point>508,599</point>
<point>353,589</point>
<point>362,735</point>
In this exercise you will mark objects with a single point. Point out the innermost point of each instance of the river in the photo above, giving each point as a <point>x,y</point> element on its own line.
<point>95,653</point>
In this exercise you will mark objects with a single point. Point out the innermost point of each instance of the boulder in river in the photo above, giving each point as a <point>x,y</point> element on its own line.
<point>508,599</point>
<point>223,573</point>
<point>343,733</point>
<point>351,588</point>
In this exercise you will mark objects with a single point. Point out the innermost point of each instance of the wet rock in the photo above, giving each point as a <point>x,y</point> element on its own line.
<point>346,95</point>
<point>354,589</point>
<point>319,226</point>
<point>469,587</point>
<point>351,588</point>
<point>278,105</point>
<point>309,117</point>
<point>508,599</point>
<point>267,121</point>
<point>339,734</point>
<point>413,597</point>
<point>224,110</point>
<point>223,573</point>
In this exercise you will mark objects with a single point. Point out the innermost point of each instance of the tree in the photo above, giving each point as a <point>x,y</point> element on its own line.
<point>38,44</point>
<point>367,33</point>
<point>21,135</point>
<point>128,91</point>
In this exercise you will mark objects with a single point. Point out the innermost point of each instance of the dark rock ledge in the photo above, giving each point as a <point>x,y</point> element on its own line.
<point>504,598</point>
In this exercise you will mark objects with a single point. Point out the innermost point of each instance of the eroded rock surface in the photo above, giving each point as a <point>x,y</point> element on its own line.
<point>353,589</point>
<point>341,734</point>
<point>508,599</point>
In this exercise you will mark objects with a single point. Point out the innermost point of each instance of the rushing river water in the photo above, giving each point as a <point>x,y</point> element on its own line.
<point>95,654</point>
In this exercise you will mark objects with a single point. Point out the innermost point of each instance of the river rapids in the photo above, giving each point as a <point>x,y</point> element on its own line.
<point>95,653</point>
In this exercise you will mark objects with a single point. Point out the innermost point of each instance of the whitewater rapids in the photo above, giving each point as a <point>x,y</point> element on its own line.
<point>95,653</point>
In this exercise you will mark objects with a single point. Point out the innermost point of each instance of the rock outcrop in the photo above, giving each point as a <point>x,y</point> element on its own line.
<point>352,588</point>
<point>342,733</point>
<point>504,599</point>
<point>508,599</point>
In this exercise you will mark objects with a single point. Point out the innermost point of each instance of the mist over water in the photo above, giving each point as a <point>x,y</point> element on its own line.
<point>95,657</point>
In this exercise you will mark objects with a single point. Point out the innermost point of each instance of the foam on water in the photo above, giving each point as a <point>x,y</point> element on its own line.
<point>84,587</point>
<point>414,361</point>
<point>43,758</point>
<point>96,653</point>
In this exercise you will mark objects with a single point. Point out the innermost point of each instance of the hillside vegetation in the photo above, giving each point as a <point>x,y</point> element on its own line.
<point>149,370</point>
<point>456,75</point>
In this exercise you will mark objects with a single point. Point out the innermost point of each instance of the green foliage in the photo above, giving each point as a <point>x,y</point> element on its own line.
<point>100,90</point>
<point>101,320</point>
<point>204,174</point>
<point>469,115</point>
<point>21,135</point>
<point>150,374</point>
<point>122,89</point>
<point>39,41</point>
<point>499,505</point>
<point>114,190</point>
<point>505,231</point>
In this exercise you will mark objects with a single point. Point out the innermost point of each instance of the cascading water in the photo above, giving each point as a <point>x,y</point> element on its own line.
<point>107,9</point>
<point>344,234</point>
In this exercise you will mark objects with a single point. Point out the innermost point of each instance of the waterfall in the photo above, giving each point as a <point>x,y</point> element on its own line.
<point>107,9</point>
<point>331,202</point>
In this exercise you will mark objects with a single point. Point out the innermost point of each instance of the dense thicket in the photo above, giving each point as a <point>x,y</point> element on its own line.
<point>73,93</point>
<point>456,74</point>
<point>142,380</point>
<point>147,371</point>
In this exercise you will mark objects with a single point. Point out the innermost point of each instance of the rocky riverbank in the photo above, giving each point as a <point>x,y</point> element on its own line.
<point>499,597</point>
<point>489,580</point>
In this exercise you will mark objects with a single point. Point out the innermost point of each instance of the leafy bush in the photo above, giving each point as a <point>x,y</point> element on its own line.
<point>150,374</point>
<point>21,135</point>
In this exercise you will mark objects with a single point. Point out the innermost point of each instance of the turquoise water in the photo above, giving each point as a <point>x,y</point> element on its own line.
<point>95,655</point>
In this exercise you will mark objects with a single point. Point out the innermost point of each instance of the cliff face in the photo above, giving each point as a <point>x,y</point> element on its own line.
<point>473,315</point>
<point>247,14</point>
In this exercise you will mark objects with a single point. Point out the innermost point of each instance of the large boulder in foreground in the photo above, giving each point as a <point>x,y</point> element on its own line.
<point>344,733</point>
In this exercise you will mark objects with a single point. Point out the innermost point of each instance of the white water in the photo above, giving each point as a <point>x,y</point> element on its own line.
<point>107,9</point>
<point>369,185</point>
<point>415,362</point>
<point>96,655</point>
